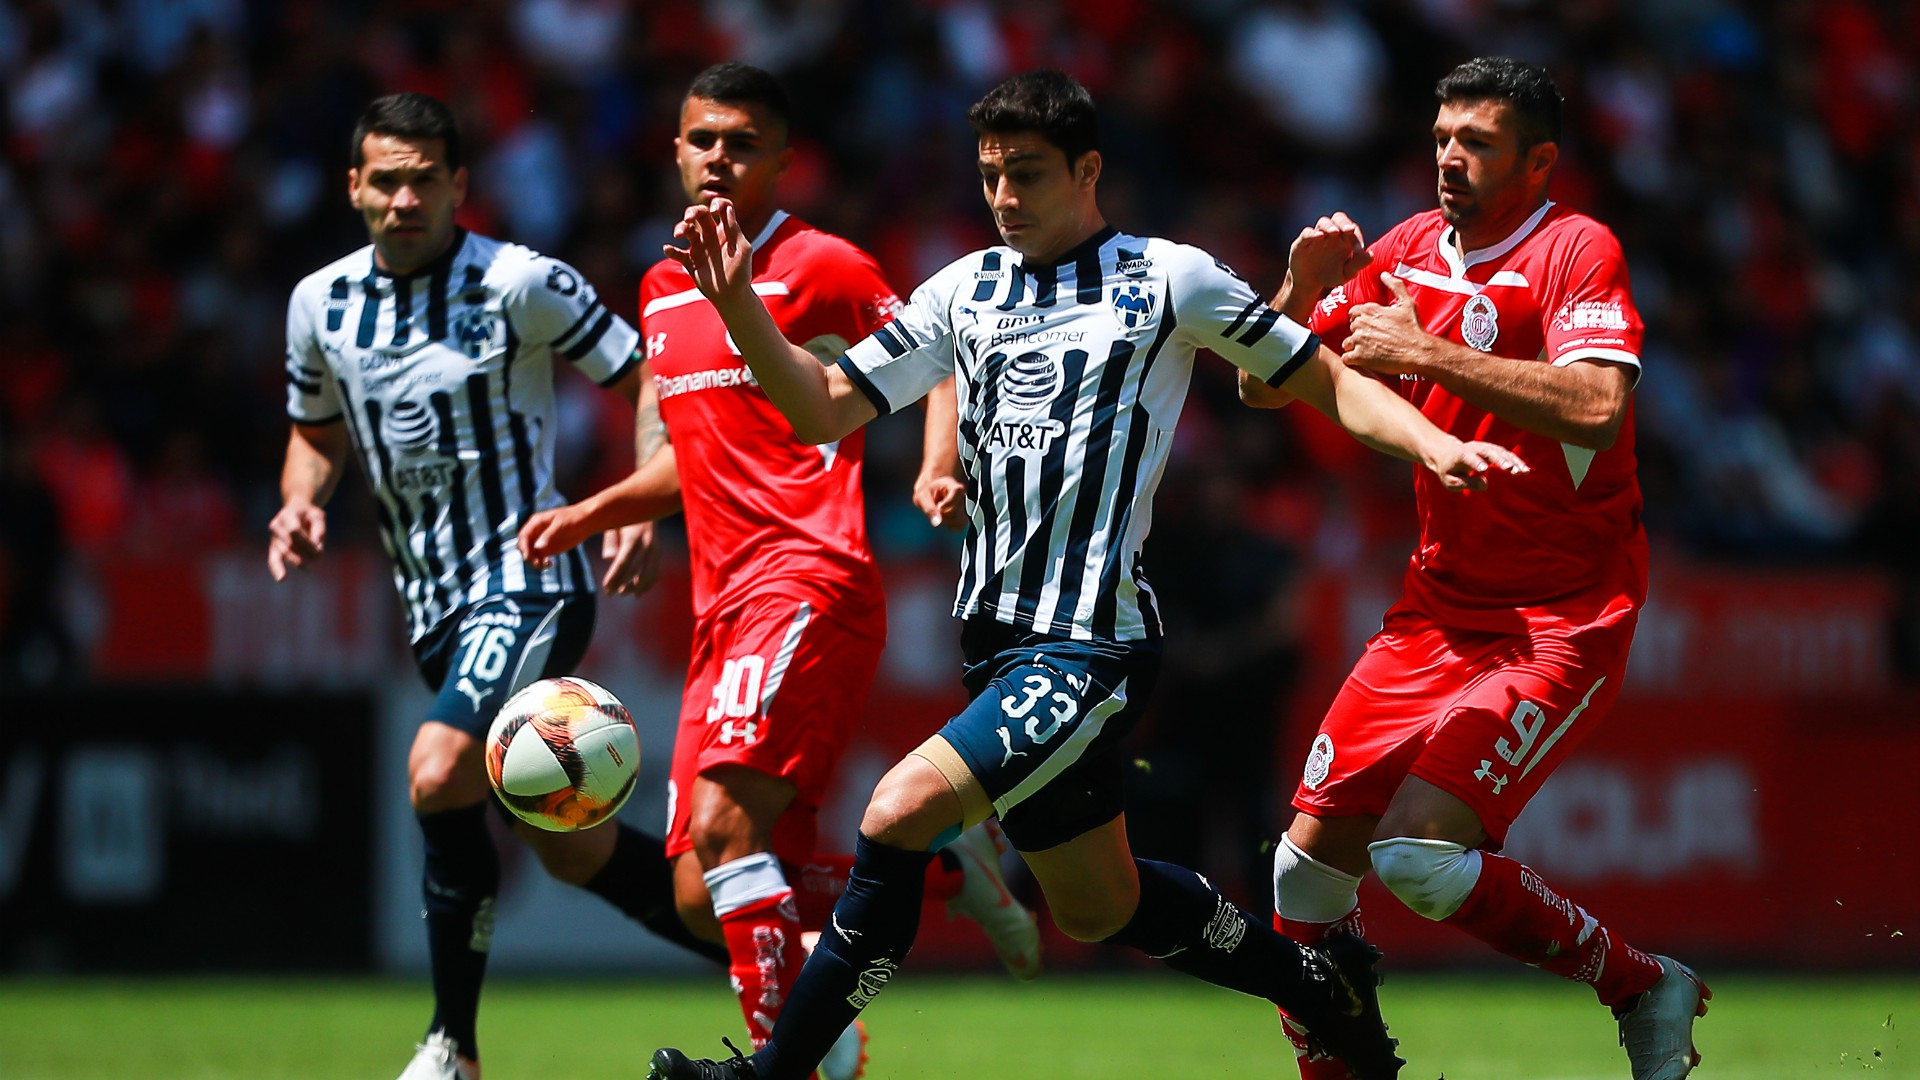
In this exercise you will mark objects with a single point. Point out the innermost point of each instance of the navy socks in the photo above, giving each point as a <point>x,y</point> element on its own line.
<point>462,875</point>
<point>638,880</point>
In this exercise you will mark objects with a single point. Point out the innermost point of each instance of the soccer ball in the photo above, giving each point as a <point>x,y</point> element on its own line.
<point>563,754</point>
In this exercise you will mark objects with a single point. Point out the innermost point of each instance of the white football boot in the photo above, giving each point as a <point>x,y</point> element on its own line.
<point>984,898</point>
<point>847,1058</point>
<point>439,1058</point>
<point>1658,1030</point>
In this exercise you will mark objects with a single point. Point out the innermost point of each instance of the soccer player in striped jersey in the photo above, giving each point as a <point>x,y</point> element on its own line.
<point>1504,316</point>
<point>429,357</point>
<point>1072,347</point>
<point>789,613</point>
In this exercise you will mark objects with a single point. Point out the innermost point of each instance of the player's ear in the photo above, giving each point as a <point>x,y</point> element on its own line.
<point>785,160</point>
<point>353,187</point>
<point>1541,157</point>
<point>1086,171</point>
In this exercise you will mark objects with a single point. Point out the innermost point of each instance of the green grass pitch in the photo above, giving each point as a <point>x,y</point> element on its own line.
<point>1146,1025</point>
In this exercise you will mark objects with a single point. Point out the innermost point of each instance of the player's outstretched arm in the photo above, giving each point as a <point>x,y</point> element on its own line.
<point>647,494</point>
<point>298,532</point>
<point>1390,424</point>
<point>820,402</point>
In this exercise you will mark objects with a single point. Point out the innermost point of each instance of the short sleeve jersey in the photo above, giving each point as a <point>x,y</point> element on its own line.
<point>444,378</point>
<point>1070,377</point>
<point>1562,543</point>
<point>765,512</point>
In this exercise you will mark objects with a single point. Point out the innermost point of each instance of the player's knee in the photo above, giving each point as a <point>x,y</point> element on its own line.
<point>1432,877</point>
<point>1089,924</point>
<point>434,782</point>
<point>908,811</point>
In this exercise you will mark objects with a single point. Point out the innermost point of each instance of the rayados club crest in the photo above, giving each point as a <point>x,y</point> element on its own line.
<point>476,332</point>
<point>1133,304</point>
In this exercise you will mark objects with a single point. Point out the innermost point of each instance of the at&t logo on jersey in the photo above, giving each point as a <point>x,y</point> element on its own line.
<point>410,426</point>
<point>1133,303</point>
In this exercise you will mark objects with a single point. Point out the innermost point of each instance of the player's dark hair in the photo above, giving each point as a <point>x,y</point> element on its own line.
<point>731,82</point>
<point>408,116</point>
<point>1050,102</point>
<point>1526,88</point>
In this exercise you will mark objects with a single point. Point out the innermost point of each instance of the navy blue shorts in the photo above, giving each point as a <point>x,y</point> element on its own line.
<point>480,654</point>
<point>1044,728</point>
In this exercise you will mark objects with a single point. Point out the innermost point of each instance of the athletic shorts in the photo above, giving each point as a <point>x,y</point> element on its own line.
<point>780,688</point>
<point>480,654</point>
<point>1485,717</point>
<point>1042,732</point>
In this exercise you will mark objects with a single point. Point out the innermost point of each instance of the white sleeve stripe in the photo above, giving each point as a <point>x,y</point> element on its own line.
<point>1618,356</point>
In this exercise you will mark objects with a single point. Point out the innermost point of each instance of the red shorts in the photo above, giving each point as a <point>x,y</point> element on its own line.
<point>779,688</point>
<point>1485,717</point>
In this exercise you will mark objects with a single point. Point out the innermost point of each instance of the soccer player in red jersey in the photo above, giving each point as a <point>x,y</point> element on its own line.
<point>1504,317</point>
<point>789,613</point>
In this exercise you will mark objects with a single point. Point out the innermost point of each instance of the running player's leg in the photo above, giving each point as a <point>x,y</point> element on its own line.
<point>775,692</point>
<point>1434,848</point>
<point>1366,743</point>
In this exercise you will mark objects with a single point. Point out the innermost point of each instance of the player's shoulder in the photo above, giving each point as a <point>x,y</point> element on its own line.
<point>982,265</point>
<point>349,267</point>
<point>1145,254</point>
<point>1411,234</point>
<point>1571,231</point>
<point>506,265</point>
<point>800,239</point>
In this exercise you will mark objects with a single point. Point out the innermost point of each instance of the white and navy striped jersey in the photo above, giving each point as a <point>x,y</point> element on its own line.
<point>445,377</point>
<point>1070,378</point>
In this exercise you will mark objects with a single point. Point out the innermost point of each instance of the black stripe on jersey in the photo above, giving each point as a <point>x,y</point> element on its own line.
<point>402,310</point>
<point>859,379</point>
<point>1046,284</point>
<point>396,519</point>
<point>1259,328</point>
<point>493,491</point>
<point>1106,607</point>
<point>304,378</point>
<point>458,513</point>
<point>893,340</point>
<point>1245,314</point>
<point>1093,478</point>
<point>1053,474</point>
<point>1300,356</point>
<point>634,359</point>
<point>977,570</point>
<point>592,309</point>
<point>369,311</point>
<point>983,285</point>
<point>337,303</point>
<point>440,594</point>
<point>472,287</point>
<point>1087,278</point>
<point>437,286</point>
<point>1016,289</point>
<point>585,344</point>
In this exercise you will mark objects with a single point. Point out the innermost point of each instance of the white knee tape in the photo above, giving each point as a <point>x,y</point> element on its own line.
<point>1433,877</point>
<point>1308,890</point>
<point>746,880</point>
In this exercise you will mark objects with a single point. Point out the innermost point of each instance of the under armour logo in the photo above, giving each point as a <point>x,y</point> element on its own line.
<point>1485,772</point>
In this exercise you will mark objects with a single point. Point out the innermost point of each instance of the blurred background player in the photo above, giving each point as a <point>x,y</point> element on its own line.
<point>790,616</point>
<point>1504,317</point>
<point>400,352</point>
<point>1071,349</point>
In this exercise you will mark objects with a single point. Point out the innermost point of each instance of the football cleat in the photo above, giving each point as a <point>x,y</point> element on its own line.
<point>847,1058</point>
<point>1351,1028</point>
<point>439,1058</point>
<point>985,899</point>
<point>670,1064</point>
<point>1313,1064</point>
<point>1658,1030</point>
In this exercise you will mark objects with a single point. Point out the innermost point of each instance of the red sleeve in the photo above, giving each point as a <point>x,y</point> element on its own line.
<point>1594,317</point>
<point>1329,318</point>
<point>848,297</point>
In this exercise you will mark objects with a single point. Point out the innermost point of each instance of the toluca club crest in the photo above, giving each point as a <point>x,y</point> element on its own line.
<point>1480,322</point>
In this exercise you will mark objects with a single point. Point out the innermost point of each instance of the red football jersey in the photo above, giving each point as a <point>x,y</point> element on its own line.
<point>766,513</point>
<point>1563,543</point>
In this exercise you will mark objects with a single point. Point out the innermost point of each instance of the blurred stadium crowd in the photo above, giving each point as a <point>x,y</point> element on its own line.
<point>172,167</point>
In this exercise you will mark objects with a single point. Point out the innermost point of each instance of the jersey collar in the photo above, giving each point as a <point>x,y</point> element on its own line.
<point>1457,264</point>
<point>440,261</point>
<point>778,219</point>
<point>1090,244</point>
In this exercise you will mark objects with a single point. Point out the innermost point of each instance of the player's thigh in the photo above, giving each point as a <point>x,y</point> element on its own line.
<point>1043,734</point>
<point>1091,883</point>
<point>776,687</point>
<point>1509,730</point>
<point>1378,723</point>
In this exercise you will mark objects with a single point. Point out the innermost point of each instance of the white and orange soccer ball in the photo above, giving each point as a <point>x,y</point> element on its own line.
<point>563,754</point>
